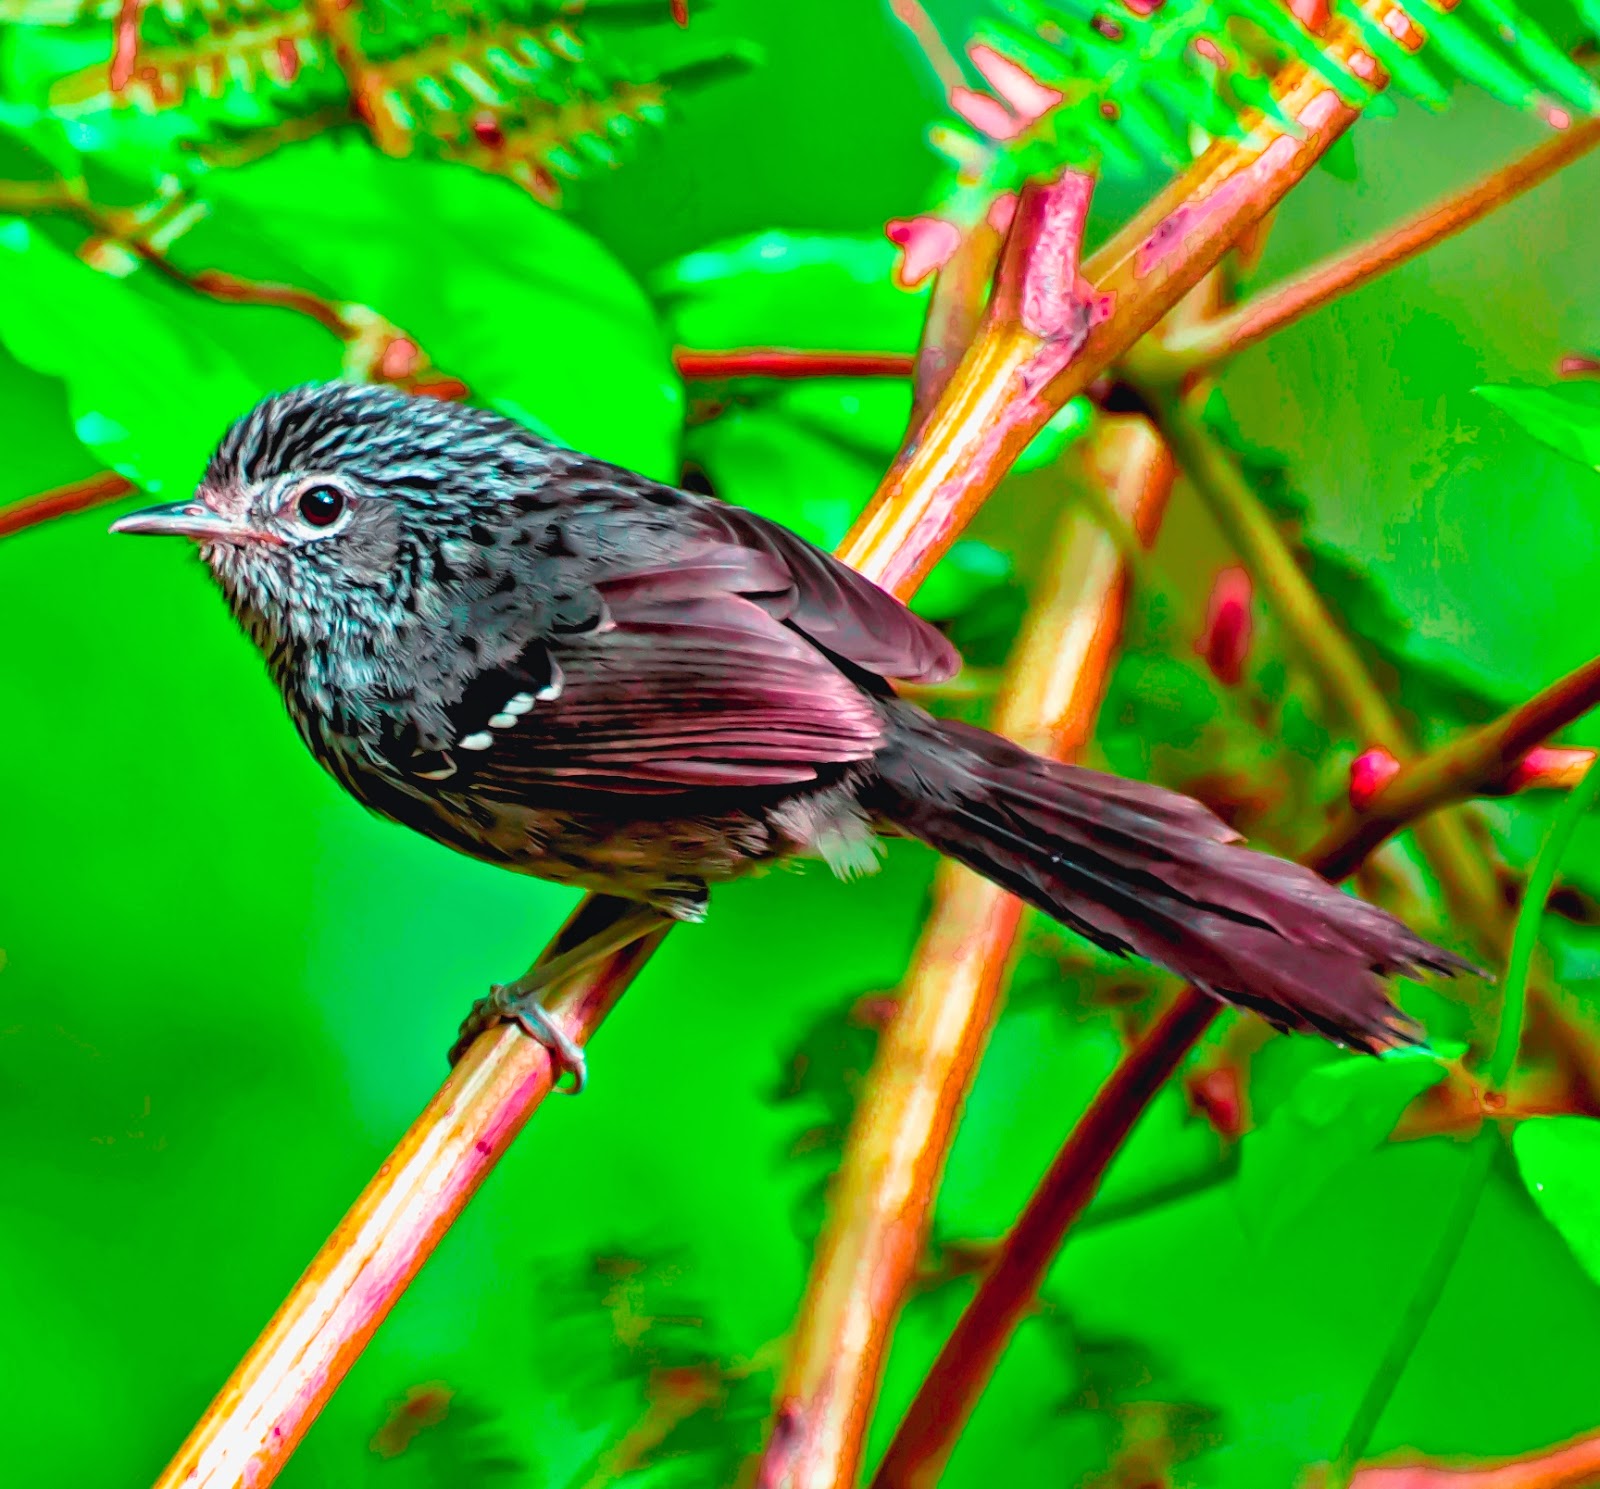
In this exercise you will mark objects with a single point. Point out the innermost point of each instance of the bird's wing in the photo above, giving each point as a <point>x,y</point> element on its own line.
<point>672,676</point>
<point>824,598</point>
<point>840,609</point>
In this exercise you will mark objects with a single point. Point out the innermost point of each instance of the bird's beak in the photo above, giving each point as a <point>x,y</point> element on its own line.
<point>185,519</point>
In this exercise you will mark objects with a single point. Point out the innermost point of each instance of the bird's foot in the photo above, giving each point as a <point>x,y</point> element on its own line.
<point>505,1005</point>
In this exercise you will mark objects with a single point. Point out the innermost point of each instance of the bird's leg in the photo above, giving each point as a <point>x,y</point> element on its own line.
<point>606,924</point>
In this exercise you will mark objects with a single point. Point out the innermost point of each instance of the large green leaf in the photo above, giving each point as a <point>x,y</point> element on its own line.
<point>149,393</point>
<point>534,315</point>
<point>1566,417</point>
<point>1560,1162</point>
<point>833,291</point>
<point>1336,1114</point>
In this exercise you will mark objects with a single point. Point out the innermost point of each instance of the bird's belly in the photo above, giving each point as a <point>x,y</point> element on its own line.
<point>619,853</point>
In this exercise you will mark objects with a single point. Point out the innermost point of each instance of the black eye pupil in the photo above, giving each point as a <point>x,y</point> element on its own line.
<point>321,506</point>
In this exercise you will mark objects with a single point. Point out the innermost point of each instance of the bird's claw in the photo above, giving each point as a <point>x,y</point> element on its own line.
<point>503,1006</point>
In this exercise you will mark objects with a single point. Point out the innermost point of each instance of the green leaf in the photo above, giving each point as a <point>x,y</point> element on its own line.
<point>1566,417</point>
<point>1336,1115</point>
<point>825,292</point>
<point>149,394</point>
<point>1559,1158</point>
<point>534,315</point>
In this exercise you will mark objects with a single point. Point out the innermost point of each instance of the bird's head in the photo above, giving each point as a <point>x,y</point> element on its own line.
<point>324,508</point>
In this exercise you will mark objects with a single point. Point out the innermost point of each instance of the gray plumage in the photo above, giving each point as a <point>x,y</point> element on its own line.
<point>559,666</point>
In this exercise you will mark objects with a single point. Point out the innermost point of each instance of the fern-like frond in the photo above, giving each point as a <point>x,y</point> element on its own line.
<point>1140,85</point>
<point>517,87</point>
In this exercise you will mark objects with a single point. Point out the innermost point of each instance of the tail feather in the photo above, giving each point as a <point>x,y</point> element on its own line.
<point>1136,868</point>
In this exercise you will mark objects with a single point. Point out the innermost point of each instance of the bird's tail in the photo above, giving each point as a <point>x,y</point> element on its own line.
<point>1134,867</point>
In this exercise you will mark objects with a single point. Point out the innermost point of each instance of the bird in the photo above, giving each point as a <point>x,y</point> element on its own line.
<point>553,664</point>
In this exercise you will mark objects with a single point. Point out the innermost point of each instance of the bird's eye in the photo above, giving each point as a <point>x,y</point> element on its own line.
<point>320,506</point>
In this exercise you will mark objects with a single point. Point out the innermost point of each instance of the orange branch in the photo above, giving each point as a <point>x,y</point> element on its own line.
<point>1575,1465</point>
<point>868,1256</point>
<point>1270,312</point>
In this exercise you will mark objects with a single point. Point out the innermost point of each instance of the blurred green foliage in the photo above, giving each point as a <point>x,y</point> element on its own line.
<point>225,991</point>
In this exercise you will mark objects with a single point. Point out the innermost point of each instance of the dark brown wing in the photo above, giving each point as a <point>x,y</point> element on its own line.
<point>688,680</point>
<point>832,604</point>
<point>839,609</point>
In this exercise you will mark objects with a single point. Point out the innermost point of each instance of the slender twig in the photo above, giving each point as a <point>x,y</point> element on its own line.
<point>1464,874</point>
<point>946,67</point>
<point>952,1387</point>
<point>1430,1288</point>
<point>120,226</point>
<point>1476,764</point>
<point>79,496</point>
<point>1573,1465</point>
<point>1202,346</point>
<point>867,1259</point>
<point>783,362</point>
<point>338,21</point>
<point>1508,1039</point>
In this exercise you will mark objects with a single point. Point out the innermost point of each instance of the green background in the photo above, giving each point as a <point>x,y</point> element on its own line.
<point>225,991</point>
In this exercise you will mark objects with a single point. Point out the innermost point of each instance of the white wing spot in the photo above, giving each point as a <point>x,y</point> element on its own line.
<point>552,689</point>
<point>479,741</point>
<point>502,720</point>
<point>519,703</point>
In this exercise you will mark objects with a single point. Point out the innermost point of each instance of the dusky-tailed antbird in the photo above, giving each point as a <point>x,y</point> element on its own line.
<point>556,665</point>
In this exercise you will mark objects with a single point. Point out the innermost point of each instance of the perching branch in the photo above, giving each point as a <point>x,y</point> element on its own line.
<point>1199,347</point>
<point>925,1438</point>
<point>867,1259</point>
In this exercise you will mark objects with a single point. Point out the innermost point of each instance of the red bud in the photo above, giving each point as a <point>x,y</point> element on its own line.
<point>1370,772</point>
<point>1225,643</point>
<point>486,128</point>
<point>1552,767</point>
<point>1218,1096</point>
<point>288,59</point>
